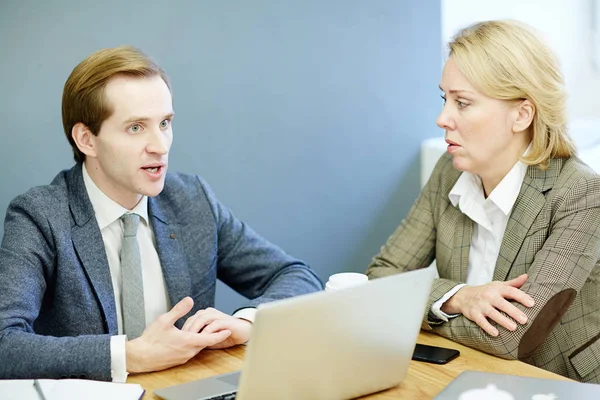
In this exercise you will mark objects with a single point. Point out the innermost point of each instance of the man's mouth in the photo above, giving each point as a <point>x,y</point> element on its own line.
<point>154,168</point>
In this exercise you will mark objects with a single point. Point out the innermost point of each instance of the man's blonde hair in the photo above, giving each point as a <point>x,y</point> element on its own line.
<point>83,95</point>
<point>508,60</point>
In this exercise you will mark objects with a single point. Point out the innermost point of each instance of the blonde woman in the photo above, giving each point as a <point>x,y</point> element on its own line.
<point>510,214</point>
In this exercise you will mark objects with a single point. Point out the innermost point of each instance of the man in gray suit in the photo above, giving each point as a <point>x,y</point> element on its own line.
<point>111,269</point>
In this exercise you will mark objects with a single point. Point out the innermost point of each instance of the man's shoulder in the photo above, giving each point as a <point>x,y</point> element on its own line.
<point>186,194</point>
<point>180,179</point>
<point>181,189</point>
<point>46,196</point>
<point>182,184</point>
<point>46,206</point>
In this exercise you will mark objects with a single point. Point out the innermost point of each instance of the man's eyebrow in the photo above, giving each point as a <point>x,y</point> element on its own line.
<point>144,119</point>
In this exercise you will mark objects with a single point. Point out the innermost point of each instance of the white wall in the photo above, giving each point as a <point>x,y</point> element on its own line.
<point>567,27</point>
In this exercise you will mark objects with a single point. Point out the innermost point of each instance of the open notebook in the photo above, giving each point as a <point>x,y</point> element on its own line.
<point>69,389</point>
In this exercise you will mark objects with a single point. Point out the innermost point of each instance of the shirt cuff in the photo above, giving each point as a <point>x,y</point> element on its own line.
<point>118,361</point>
<point>248,314</point>
<point>436,308</point>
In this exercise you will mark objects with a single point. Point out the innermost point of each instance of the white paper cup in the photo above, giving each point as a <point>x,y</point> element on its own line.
<point>345,280</point>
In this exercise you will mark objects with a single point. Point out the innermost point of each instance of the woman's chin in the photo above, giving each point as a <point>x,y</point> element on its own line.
<point>460,164</point>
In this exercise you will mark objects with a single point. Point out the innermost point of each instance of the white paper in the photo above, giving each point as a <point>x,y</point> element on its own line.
<point>69,389</point>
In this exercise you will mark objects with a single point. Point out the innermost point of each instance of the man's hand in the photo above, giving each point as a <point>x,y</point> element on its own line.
<point>212,321</point>
<point>162,345</point>
<point>478,303</point>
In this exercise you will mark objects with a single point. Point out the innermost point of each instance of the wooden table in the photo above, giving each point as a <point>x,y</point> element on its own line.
<point>423,380</point>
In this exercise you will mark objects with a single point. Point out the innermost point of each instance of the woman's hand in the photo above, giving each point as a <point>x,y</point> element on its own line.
<point>480,303</point>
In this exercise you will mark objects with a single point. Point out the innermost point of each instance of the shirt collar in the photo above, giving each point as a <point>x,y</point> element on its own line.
<point>503,196</point>
<point>107,210</point>
<point>467,186</point>
<point>507,191</point>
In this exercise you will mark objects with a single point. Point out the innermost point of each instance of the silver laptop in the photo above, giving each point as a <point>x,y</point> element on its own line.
<point>486,385</point>
<point>326,345</point>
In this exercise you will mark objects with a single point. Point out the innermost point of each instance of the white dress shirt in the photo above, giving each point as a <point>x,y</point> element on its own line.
<point>490,217</point>
<point>156,299</point>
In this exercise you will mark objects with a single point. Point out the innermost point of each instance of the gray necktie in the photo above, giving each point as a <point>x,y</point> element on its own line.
<point>132,290</point>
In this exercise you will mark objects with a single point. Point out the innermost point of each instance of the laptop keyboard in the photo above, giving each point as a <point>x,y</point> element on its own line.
<point>227,396</point>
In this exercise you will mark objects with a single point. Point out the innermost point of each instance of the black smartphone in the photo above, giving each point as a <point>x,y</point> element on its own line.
<point>432,354</point>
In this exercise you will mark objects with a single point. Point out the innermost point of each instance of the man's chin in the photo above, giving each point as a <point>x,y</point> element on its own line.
<point>154,189</point>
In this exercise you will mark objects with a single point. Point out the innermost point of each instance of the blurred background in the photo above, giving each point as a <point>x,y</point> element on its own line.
<point>308,118</point>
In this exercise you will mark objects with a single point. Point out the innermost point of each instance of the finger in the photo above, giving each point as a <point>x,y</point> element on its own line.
<point>214,314</point>
<point>518,281</point>
<point>512,311</point>
<point>201,319</point>
<point>512,293</point>
<point>210,339</point>
<point>482,321</point>
<point>217,326</point>
<point>178,311</point>
<point>502,320</point>
<point>199,323</point>
<point>189,321</point>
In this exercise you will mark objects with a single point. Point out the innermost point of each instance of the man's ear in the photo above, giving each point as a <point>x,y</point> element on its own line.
<point>526,112</point>
<point>84,139</point>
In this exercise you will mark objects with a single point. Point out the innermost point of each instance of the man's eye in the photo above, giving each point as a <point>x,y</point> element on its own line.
<point>164,123</point>
<point>135,128</point>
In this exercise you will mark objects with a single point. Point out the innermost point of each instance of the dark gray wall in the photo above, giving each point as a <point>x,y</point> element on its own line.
<point>305,116</point>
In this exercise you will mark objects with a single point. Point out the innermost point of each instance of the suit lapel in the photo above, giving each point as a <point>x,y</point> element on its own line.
<point>89,246</point>
<point>527,207</point>
<point>463,231</point>
<point>169,245</point>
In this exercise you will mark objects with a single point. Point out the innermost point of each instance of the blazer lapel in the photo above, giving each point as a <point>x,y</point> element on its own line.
<point>169,245</point>
<point>527,207</point>
<point>89,245</point>
<point>463,231</point>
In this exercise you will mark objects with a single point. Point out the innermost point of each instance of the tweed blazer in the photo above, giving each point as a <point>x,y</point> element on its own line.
<point>553,235</point>
<point>57,306</point>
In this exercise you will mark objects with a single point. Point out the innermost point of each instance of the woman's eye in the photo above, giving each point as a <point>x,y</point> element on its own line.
<point>461,104</point>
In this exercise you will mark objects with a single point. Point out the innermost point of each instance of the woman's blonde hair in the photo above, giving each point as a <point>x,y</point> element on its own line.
<point>507,60</point>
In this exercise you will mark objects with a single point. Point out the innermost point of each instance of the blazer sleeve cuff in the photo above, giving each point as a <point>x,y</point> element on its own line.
<point>436,308</point>
<point>439,288</point>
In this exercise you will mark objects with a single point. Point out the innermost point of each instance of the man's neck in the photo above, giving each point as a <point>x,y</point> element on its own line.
<point>110,189</point>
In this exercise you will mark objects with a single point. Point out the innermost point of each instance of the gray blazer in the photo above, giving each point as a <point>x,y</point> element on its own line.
<point>57,308</point>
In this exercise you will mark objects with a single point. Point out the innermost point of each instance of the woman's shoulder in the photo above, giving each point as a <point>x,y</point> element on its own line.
<point>576,172</point>
<point>574,180</point>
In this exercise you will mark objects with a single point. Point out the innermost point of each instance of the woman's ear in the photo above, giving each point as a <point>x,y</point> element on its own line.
<point>84,139</point>
<point>526,112</point>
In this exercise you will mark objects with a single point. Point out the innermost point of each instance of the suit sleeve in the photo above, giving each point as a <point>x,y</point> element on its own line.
<point>559,270</point>
<point>412,245</point>
<point>27,260</point>
<point>251,265</point>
